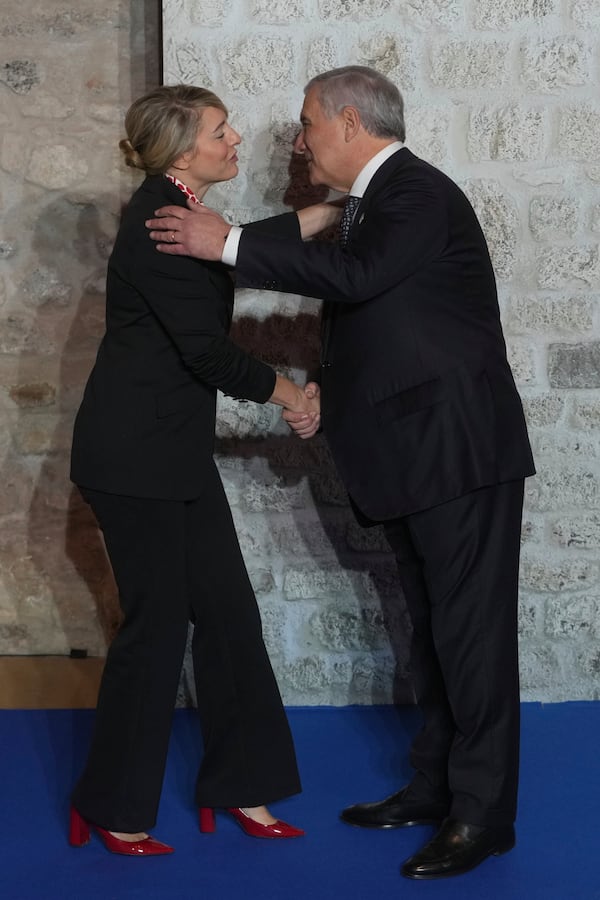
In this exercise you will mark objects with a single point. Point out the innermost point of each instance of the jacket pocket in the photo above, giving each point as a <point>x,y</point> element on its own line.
<point>410,400</point>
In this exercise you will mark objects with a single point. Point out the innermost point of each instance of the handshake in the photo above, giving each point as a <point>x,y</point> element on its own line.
<point>305,418</point>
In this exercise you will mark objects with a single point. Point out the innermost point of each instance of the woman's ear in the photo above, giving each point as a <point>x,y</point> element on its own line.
<point>182,162</point>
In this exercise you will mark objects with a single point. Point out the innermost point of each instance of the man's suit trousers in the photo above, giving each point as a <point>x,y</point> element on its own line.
<point>174,562</point>
<point>459,565</point>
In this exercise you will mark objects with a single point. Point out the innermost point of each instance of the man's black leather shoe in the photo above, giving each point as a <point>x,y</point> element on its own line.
<point>458,847</point>
<point>395,812</point>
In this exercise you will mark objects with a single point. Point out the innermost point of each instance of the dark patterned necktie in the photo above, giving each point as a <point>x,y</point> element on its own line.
<point>349,211</point>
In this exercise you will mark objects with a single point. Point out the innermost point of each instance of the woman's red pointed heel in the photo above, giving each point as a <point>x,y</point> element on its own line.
<point>255,829</point>
<point>79,834</point>
<point>79,830</point>
<point>207,820</point>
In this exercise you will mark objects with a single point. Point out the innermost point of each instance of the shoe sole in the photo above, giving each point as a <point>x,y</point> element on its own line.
<point>407,824</point>
<point>499,851</point>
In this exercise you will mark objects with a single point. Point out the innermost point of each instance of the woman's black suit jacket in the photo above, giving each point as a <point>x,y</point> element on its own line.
<point>147,420</point>
<point>419,405</point>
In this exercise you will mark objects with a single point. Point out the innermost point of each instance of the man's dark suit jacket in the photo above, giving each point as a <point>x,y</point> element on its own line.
<point>419,405</point>
<point>146,424</point>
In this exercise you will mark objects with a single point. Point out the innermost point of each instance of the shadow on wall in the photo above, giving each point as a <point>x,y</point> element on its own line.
<point>359,617</point>
<point>64,544</point>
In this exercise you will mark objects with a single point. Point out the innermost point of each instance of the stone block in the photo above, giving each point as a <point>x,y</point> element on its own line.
<point>539,666</point>
<point>190,63</point>
<point>529,617</point>
<point>14,639</point>
<point>532,532</point>
<point>593,173</point>
<point>15,152</point>
<point>539,314</point>
<point>544,409</point>
<point>278,12</point>
<point>46,106</point>
<point>39,434</point>
<point>558,575</point>
<point>428,132</point>
<point>329,490</point>
<point>509,133</point>
<point>338,628</point>
<point>586,415</point>
<point>574,365</point>
<point>569,617</point>
<point>262,581</point>
<point>57,166</point>
<point>522,360</point>
<point>581,531</point>
<point>366,540</point>
<point>585,13</point>
<point>555,64</point>
<point>390,55</point>
<point>20,75</point>
<point>499,218</point>
<point>306,675</point>
<point>579,132</point>
<point>489,15</point>
<point>275,497</point>
<point>308,536</point>
<point>566,447</point>
<point>240,419</point>
<point>460,64</point>
<point>8,248</point>
<point>33,395</point>
<point>373,679</point>
<point>323,54</point>
<point>44,285</point>
<point>19,334</point>
<point>539,175</point>
<point>325,582</point>
<point>553,217</point>
<point>59,22</point>
<point>563,487</point>
<point>356,10</point>
<point>559,266</point>
<point>588,658</point>
<point>449,14</point>
<point>243,66</point>
<point>595,219</point>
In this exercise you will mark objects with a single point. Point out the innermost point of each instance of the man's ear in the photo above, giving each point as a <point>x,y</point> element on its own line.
<point>352,124</point>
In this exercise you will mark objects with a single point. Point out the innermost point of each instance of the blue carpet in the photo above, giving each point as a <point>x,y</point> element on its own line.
<point>345,755</point>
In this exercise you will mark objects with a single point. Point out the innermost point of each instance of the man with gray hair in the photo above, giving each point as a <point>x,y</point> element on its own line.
<point>426,427</point>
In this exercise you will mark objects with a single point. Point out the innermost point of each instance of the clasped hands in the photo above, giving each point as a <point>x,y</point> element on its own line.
<point>305,423</point>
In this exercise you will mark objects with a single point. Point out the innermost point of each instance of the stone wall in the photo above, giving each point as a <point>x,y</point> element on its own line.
<point>504,97</point>
<point>68,72</point>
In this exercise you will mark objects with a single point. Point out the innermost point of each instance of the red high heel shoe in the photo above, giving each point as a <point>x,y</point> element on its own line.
<point>79,834</point>
<point>255,829</point>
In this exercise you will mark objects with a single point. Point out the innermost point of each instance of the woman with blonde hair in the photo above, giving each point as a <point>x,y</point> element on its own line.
<point>142,458</point>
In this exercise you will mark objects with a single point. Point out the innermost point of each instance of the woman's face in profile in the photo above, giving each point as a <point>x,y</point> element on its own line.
<point>214,156</point>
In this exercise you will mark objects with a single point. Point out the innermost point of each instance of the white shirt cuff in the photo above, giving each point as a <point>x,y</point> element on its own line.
<point>230,249</point>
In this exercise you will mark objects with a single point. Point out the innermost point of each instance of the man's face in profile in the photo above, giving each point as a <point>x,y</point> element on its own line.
<point>322,143</point>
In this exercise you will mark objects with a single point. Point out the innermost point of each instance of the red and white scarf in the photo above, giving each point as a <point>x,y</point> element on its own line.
<point>183,187</point>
